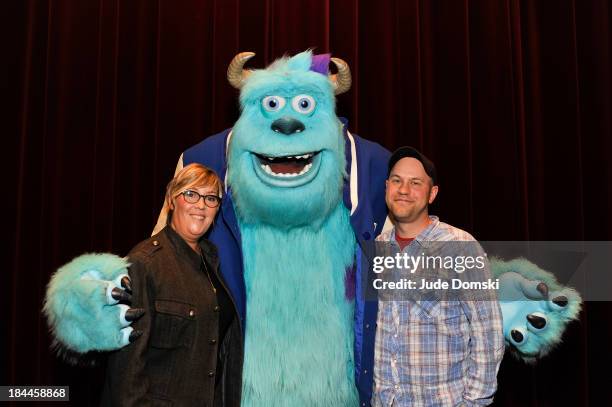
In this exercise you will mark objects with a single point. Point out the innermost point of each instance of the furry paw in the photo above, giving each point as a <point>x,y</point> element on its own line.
<point>535,307</point>
<point>84,305</point>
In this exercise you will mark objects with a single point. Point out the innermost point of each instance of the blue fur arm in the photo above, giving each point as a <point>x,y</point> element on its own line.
<point>535,315</point>
<point>80,311</point>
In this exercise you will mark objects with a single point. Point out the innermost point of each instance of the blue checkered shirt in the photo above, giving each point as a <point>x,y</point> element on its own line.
<point>429,353</point>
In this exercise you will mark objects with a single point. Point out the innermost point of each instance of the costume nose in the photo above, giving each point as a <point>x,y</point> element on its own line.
<point>287,125</point>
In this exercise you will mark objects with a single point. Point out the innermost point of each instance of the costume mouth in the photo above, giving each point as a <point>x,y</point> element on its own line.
<point>287,171</point>
<point>286,166</point>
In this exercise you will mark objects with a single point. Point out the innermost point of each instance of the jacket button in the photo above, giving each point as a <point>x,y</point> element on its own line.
<point>211,373</point>
<point>217,308</point>
<point>367,326</point>
<point>212,341</point>
<point>155,243</point>
<point>191,313</point>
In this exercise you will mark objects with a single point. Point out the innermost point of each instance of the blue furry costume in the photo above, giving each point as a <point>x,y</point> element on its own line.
<point>303,197</point>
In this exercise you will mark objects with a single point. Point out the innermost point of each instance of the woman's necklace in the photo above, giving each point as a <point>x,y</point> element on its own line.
<point>207,273</point>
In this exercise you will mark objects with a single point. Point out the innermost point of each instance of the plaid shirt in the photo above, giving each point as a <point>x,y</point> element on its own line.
<point>436,353</point>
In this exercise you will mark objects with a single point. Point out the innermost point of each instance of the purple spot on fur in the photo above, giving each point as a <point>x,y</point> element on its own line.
<point>320,63</point>
<point>349,283</point>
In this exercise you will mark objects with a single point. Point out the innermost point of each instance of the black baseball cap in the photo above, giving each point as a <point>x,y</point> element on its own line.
<point>412,152</point>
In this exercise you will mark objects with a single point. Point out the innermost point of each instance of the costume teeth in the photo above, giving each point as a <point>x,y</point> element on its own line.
<point>299,157</point>
<point>305,169</point>
<point>268,170</point>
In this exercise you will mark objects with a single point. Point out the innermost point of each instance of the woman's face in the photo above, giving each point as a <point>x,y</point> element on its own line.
<point>192,220</point>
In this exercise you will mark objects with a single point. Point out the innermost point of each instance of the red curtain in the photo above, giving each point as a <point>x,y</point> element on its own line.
<point>511,99</point>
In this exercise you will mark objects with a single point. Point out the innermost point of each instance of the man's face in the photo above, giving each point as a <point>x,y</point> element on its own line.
<point>409,191</point>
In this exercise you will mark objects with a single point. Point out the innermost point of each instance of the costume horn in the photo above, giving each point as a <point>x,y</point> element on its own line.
<point>342,80</point>
<point>236,75</point>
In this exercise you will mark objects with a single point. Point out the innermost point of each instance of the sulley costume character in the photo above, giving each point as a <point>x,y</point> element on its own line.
<point>303,195</point>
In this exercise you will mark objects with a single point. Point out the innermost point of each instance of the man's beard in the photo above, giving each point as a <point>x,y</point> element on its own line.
<point>407,214</point>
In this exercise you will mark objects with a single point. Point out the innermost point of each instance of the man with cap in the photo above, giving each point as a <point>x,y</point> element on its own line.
<point>430,352</point>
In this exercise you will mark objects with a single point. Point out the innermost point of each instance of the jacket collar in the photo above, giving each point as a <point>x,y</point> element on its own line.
<point>423,238</point>
<point>426,234</point>
<point>209,251</point>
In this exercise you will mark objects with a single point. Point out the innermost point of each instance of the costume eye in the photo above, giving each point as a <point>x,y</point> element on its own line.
<point>303,104</point>
<point>273,103</point>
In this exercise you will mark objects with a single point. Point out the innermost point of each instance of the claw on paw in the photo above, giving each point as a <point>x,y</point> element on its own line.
<point>543,289</point>
<point>120,295</point>
<point>560,301</point>
<point>536,321</point>
<point>126,283</point>
<point>133,314</point>
<point>80,303</point>
<point>517,336</point>
<point>536,307</point>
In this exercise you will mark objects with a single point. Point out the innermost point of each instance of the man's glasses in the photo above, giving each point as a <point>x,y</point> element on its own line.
<point>192,197</point>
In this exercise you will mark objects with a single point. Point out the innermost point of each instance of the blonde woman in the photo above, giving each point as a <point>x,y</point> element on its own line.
<point>190,352</point>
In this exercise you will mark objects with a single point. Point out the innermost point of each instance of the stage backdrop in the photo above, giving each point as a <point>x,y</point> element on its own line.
<point>511,99</point>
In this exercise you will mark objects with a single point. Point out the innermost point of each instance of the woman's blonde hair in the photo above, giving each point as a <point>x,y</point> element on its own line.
<point>190,177</point>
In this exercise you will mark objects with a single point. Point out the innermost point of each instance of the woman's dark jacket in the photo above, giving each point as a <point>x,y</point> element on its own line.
<point>174,362</point>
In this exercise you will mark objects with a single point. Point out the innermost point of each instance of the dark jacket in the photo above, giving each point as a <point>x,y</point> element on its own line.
<point>174,362</point>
